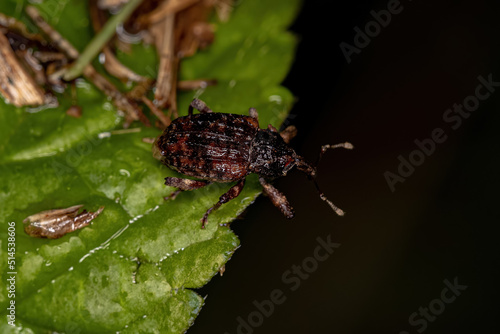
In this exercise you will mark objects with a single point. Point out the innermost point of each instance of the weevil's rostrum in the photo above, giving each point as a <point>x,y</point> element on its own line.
<point>217,147</point>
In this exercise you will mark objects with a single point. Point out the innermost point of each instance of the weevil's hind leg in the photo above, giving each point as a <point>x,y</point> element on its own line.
<point>232,193</point>
<point>277,198</point>
<point>289,133</point>
<point>183,185</point>
<point>200,106</point>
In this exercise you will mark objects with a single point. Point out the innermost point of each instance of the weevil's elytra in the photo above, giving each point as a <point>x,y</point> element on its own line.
<point>216,147</point>
<point>213,146</point>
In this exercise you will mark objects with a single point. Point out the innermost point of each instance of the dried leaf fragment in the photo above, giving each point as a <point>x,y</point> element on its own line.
<point>16,84</point>
<point>56,223</point>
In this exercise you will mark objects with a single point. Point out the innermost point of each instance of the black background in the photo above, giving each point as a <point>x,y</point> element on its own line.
<point>397,247</point>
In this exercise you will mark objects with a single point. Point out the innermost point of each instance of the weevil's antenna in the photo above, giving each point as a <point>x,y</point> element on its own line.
<point>324,148</point>
<point>335,208</point>
<point>311,172</point>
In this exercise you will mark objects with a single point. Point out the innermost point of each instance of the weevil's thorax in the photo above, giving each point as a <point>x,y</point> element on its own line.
<point>270,156</point>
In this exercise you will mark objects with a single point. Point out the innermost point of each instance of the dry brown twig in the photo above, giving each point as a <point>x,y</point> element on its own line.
<point>165,9</point>
<point>179,34</point>
<point>192,30</point>
<point>111,64</point>
<point>195,84</point>
<point>17,26</point>
<point>109,4</point>
<point>163,33</point>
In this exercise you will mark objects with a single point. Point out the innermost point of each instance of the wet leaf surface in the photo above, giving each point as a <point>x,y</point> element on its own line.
<point>133,268</point>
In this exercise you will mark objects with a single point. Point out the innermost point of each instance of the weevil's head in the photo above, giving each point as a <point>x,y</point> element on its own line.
<point>270,156</point>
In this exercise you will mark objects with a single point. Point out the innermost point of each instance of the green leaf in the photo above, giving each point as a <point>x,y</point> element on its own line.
<point>133,268</point>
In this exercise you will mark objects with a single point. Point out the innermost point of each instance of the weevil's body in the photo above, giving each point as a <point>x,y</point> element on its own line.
<point>216,147</point>
<point>223,148</point>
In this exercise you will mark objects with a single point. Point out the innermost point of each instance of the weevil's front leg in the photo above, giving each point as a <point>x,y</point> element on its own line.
<point>183,185</point>
<point>200,106</point>
<point>232,193</point>
<point>277,198</point>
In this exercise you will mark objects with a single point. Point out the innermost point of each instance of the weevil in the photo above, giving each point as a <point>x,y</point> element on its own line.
<point>218,147</point>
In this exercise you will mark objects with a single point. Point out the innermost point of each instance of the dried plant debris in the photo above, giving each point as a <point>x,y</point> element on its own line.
<point>36,63</point>
<point>53,224</point>
<point>16,84</point>
<point>109,60</point>
<point>131,109</point>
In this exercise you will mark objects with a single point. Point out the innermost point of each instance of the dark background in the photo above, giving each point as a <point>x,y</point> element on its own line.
<point>397,247</point>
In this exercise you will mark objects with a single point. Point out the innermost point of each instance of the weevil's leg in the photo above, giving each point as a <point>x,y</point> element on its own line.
<point>277,198</point>
<point>288,134</point>
<point>183,185</point>
<point>232,193</point>
<point>200,106</point>
<point>253,113</point>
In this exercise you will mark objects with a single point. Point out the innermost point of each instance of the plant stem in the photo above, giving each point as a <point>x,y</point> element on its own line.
<point>100,40</point>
